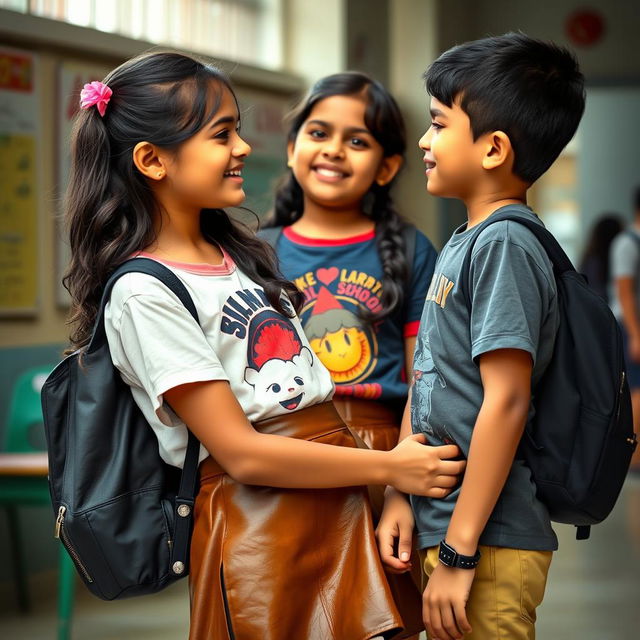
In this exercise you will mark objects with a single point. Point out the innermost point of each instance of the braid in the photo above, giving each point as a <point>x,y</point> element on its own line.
<point>289,203</point>
<point>391,250</point>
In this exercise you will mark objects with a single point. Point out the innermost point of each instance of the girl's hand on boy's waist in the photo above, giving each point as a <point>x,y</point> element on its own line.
<point>424,470</point>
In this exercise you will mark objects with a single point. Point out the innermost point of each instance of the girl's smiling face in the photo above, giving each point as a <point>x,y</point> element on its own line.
<point>335,157</point>
<point>206,170</point>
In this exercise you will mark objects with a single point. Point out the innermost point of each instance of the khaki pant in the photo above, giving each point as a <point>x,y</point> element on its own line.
<point>507,588</point>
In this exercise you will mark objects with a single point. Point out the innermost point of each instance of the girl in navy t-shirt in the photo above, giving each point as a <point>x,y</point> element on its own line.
<point>363,270</point>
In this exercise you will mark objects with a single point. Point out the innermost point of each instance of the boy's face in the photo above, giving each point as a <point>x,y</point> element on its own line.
<point>453,160</point>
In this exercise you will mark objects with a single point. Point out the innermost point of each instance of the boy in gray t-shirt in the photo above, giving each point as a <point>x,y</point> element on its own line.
<point>502,109</point>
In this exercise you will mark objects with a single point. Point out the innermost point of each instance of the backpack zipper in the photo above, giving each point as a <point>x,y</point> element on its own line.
<point>620,390</point>
<point>62,535</point>
<point>634,438</point>
<point>166,521</point>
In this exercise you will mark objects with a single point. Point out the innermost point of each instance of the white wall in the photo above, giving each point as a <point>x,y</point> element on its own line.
<point>609,158</point>
<point>413,46</point>
<point>315,43</point>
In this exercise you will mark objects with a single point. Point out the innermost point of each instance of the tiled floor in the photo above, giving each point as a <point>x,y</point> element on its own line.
<point>593,594</point>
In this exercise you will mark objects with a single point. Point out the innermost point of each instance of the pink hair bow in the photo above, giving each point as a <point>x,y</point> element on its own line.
<point>95,93</point>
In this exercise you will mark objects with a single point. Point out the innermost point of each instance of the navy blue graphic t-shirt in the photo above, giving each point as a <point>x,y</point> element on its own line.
<point>339,277</point>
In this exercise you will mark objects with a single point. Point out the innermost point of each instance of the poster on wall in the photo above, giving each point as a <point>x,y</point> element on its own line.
<point>19,160</point>
<point>71,78</point>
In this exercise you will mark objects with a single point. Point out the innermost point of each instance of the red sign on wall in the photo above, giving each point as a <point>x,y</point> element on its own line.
<point>16,72</point>
<point>585,27</point>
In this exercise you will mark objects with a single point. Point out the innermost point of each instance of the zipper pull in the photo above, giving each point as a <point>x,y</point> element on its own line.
<point>59,521</point>
<point>620,390</point>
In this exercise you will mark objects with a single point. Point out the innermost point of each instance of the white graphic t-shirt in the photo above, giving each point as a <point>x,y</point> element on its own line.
<point>156,345</point>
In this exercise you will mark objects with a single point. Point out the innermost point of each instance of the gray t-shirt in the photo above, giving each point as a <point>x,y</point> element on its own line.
<point>625,262</point>
<point>514,306</point>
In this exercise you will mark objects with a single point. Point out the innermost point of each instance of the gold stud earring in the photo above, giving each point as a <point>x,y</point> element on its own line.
<point>160,174</point>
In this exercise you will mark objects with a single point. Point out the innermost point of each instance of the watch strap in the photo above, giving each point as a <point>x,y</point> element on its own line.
<point>449,557</point>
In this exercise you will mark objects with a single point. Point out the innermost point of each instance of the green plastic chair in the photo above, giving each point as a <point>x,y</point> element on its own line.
<point>24,433</point>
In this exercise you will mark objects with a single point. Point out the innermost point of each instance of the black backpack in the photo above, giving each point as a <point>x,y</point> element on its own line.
<point>580,441</point>
<point>122,513</point>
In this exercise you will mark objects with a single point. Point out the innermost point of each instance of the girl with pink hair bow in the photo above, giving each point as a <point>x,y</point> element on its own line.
<point>283,544</point>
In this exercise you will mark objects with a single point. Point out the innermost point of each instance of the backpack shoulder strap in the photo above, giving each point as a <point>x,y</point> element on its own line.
<point>139,265</point>
<point>409,233</point>
<point>270,235</point>
<point>189,476</point>
<point>558,257</point>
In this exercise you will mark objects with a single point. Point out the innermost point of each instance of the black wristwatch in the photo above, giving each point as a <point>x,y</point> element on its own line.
<point>451,558</point>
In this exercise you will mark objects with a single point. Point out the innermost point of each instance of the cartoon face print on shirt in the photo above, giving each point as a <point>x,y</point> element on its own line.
<point>425,377</point>
<point>339,339</point>
<point>279,365</point>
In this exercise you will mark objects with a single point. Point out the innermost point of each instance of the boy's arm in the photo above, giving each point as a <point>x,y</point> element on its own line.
<point>409,348</point>
<point>506,380</point>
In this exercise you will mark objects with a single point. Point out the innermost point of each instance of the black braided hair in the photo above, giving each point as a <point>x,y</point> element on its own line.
<point>384,119</point>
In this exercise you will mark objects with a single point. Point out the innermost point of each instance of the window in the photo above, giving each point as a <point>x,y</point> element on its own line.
<point>247,31</point>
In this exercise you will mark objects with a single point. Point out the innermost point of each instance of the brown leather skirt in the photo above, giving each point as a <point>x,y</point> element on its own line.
<point>379,427</point>
<point>375,422</point>
<point>287,564</point>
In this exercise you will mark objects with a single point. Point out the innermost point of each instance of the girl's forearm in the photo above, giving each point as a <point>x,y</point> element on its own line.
<point>279,461</point>
<point>218,421</point>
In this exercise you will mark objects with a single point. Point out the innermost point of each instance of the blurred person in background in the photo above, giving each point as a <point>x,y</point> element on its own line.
<point>625,275</point>
<point>596,258</point>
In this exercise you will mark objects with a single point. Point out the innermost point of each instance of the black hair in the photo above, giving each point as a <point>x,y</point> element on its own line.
<point>163,98</point>
<point>386,124</point>
<point>530,89</point>
<point>636,201</point>
<point>596,253</point>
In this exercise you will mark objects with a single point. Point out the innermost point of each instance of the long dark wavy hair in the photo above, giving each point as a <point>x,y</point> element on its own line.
<point>163,98</point>
<point>386,124</point>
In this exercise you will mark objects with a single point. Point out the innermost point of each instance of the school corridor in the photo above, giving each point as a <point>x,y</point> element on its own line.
<point>593,593</point>
<point>274,50</point>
